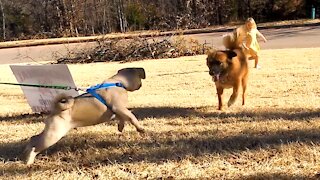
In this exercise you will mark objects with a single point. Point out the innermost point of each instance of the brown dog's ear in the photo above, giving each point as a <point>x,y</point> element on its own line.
<point>230,54</point>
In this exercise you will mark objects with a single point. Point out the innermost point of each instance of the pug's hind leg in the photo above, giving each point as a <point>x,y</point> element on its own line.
<point>56,127</point>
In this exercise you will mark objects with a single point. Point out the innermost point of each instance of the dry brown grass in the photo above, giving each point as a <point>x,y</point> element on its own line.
<point>274,136</point>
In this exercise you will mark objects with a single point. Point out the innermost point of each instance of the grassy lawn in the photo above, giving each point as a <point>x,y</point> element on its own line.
<point>274,136</point>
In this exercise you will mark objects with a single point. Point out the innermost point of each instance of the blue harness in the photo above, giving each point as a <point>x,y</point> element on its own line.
<point>92,90</point>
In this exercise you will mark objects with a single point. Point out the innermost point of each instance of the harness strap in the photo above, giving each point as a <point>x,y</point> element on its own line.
<point>92,90</point>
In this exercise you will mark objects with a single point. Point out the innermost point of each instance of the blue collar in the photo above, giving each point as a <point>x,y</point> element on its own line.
<point>92,90</point>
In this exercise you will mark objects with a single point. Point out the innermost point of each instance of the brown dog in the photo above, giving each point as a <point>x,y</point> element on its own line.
<point>229,69</point>
<point>68,112</point>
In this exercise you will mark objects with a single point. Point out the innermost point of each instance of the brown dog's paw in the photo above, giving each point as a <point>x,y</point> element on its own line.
<point>231,102</point>
<point>221,108</point>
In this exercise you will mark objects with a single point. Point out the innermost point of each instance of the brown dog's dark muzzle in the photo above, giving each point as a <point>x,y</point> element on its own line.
<point>216,77</point>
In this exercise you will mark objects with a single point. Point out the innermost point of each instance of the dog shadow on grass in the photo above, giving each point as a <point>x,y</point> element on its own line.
<point>25,118</point>
<point>294,114</point>
<point>160,148</point>
<point>271,175</point>
<point>88,149</point>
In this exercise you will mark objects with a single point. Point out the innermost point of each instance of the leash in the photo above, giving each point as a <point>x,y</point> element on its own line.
<point>91,90</point>
<point>43,86</point>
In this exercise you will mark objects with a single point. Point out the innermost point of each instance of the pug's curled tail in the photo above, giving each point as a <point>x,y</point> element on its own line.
<point>62,102</point>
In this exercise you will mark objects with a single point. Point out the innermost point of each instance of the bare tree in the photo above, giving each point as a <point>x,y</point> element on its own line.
<point>27,18</point>
<point>3,20</point>
<point>120,15</point>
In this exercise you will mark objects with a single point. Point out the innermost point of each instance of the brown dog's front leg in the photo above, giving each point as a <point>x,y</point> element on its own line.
<point>234,95</point>
<point>220,93</point>
<point>125,115</point>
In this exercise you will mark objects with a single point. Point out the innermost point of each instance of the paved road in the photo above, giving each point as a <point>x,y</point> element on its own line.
<point>295,37</point>
<point>39,54</point>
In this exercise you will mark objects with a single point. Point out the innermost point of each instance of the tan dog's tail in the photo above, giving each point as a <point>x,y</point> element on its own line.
<point>230,41</point>
<point>62,102</point>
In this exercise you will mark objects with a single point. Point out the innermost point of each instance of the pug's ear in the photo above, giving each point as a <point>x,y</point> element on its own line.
<point>122,70</point>
<point>141,73</point>
<point>133,71</point>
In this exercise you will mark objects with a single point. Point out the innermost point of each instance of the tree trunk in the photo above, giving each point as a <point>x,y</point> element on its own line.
<point>85,16</point>
<point>104,20</point>
<point>249,8</point>
<point>3,20</point>
<point>218,11</point>
<point>239,10</point>
<point>65,15</point>
<point>121,17</point>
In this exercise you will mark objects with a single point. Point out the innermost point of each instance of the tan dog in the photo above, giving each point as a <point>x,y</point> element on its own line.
<point>68,112</point>
<point>229,41</point>
<point>229,69</point>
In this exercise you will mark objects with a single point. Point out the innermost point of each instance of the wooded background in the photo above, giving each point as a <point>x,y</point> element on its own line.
<point>29,19</point>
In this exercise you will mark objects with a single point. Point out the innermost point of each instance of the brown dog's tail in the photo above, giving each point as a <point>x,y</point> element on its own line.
<point>62,102</point>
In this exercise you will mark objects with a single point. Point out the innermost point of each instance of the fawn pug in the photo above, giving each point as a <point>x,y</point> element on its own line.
<point>71,112</point>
